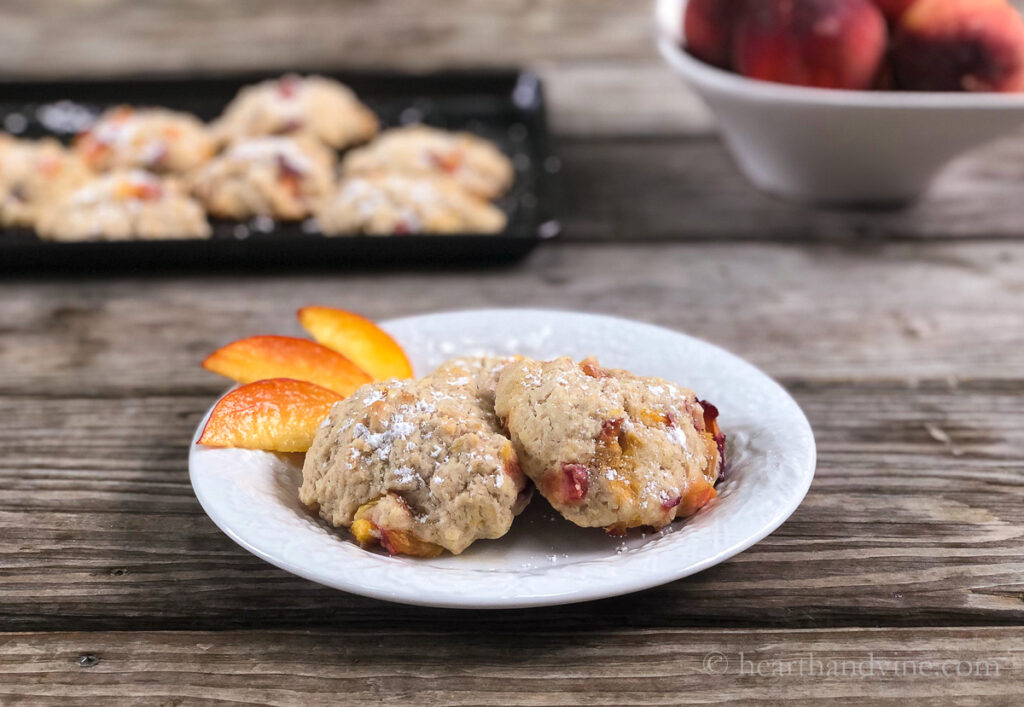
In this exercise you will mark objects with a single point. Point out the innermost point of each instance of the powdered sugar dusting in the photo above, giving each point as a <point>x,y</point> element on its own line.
<point>678,436</point>
<point>372,396</point>
<point>381,443</point>
<point>407,475</point>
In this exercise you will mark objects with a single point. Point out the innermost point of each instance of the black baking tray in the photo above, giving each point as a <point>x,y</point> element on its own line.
<point>506,106</point>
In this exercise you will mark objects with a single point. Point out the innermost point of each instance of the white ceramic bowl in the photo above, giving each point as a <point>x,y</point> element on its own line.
<point>830,146</point>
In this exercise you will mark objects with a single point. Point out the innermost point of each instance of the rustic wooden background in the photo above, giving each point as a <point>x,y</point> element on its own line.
<point>900,333</point>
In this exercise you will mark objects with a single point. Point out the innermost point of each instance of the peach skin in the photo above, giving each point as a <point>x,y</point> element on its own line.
<point>893,9</point>
<point>358,339</point>
<point>260,357</point>
<point>708,26</point>
<point>960,45</point>
<point>820,43</point>
<point>276,415</point>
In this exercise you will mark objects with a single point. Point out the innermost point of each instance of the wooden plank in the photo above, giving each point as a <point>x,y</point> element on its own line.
<point>520,667</point>
<point>642,98</point>
<point>914,518</point>
<point>105,37</point>
<point>678,189</point>
<point>890,349</point>
<point>843,311</point>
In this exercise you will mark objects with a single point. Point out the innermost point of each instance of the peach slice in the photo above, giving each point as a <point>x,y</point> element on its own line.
<point>261,357</point>
<point>358,339</point>
<point>276,415</point>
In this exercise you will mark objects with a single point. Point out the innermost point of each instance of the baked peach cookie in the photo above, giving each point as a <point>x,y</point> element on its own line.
<point>475,163</point>
<point>33,175</point>
<point>396,204</point>
<point>155,139</point>
<point>314,106</point>
<point>280,177</point>
<point>418,466</point>
<point>124,205</point>
<point>607,448</point>
<point>484,371</point>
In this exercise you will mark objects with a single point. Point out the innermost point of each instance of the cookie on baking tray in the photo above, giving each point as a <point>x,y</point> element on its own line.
<point>397,204</point>
<point>33,175</point>
<point>473,162</point>
<point>280,177</point>
<point>315,106</point>
<point>155,139</point>
<point>124,205</point>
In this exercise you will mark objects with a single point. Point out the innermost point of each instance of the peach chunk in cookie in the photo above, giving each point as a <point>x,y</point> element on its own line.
<point>314,106</point>
<point>418,466</point>
<point>156,139</point>
<point>124,205</point>
<point>399,204</point>
<point>607,448</point>
<point>476,164</point>
<point>33,175</point>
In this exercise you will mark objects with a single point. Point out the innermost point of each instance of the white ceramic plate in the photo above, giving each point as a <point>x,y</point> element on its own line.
<point>253,496</point>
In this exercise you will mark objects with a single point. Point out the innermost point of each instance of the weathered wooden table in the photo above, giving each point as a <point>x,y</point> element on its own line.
<point>901,577</point>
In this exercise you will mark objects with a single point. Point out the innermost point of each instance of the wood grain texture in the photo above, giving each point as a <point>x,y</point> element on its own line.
<point>103,37</point>
<point>677,189</point>
<point>121,36</point>
<point>828,311</point>
<point>631,99</point>
<point>100,528</point>
<point>521,667</point>
<point>900,333</point>
<point>906,358</point>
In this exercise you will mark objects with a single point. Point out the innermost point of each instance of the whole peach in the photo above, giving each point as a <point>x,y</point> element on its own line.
<point>708,26</point>
<point>960,45</point>
<point>894,9</point>
<point>823,43</point>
